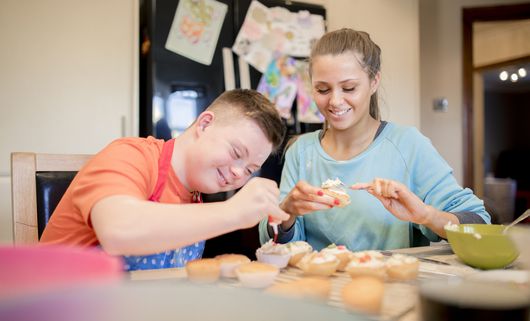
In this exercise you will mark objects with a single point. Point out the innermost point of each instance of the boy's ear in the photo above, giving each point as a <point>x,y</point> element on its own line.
<point>204,120</point>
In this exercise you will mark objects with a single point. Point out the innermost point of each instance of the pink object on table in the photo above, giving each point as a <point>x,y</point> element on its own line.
<point>43,268</point>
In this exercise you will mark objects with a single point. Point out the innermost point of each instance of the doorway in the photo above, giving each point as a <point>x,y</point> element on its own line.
<point>490,144</point>
<point>502,137</point>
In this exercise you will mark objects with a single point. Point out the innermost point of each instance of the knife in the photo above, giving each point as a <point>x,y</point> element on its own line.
<point>423,259</point>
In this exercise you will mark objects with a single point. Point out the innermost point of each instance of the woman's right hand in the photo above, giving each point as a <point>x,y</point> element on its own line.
<point>305,198</point>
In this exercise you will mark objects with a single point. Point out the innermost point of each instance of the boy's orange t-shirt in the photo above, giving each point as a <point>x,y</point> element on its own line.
<point>128,166</point>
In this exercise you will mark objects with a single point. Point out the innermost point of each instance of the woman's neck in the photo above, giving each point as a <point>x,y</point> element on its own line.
<point>348,143</point>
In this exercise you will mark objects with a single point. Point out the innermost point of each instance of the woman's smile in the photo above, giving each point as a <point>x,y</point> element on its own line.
<point>339,112</point>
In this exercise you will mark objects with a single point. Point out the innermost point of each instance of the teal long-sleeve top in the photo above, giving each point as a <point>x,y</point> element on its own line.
<point>399,153</point>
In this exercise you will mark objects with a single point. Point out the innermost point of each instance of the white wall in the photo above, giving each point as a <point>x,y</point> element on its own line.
<point>441,73</point>
<point>68,79</point>
<point>394,26</point>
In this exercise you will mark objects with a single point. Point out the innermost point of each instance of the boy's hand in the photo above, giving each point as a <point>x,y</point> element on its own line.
<point>305,198</point>
<point>257,200</point>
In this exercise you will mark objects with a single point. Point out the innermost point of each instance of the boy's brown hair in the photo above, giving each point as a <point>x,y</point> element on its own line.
<point>254,106</point>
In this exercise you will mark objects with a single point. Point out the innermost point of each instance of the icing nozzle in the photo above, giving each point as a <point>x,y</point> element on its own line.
<point>274,225</point>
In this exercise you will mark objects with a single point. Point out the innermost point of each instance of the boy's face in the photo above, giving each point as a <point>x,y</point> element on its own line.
<point>225,154</point>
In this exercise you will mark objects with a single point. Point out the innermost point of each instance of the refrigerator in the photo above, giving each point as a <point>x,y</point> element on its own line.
<point>168,79</point>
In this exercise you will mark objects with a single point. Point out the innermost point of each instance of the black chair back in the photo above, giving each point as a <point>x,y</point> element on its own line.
<point>51,187</point>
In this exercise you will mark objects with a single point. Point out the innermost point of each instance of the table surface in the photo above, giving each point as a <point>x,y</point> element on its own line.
<point>400,299</point>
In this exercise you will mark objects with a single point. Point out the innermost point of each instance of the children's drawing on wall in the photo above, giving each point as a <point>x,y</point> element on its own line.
<point>252,42</point>
<point>307,110</point>
<point>279,83</point>
<point>300,30</point>
<point>195,29</point>
<point>269,30</point>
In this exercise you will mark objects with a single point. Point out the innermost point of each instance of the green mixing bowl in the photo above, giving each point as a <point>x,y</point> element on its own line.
<point>481,245</point>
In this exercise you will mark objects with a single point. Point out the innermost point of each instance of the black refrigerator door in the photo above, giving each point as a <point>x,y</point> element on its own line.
<point>166,76</point>
<point>272,168</point>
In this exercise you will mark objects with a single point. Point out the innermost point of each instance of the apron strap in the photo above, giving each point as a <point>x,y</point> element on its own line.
<point>164,164</point>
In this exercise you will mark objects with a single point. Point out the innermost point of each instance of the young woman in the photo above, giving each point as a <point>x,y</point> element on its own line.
<point>403,192</point>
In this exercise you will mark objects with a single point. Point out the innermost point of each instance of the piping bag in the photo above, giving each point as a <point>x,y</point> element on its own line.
<point>274,226</point>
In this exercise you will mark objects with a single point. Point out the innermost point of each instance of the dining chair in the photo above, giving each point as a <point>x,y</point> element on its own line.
<point>38,182</point>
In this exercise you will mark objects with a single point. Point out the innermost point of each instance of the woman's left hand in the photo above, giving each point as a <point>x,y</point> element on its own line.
<point>397,199</point>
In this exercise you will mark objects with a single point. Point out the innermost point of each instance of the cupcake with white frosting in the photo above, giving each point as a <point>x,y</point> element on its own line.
<point>341,252</point>
<point>318,263</point>
<point>402,267</point>
<point>335,188</point>
<point>366,263</point>
<point>298,250</point>
<point>274,253</point>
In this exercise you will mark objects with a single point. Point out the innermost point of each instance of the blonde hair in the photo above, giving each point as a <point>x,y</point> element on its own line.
<point>361,46</point>
<point>254,106</point>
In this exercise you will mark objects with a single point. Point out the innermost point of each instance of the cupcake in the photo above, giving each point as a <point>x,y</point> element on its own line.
<point>229,262</point>
<point>364,294</point>
<point>297,250</point>
<point>341,253</point>
<point>256,274</point>
<point>203,270</point>
<point>273,253</point>
<point>304,288</point>
<point>366,263</point>
<point>335,189</point>
<point>402,267</point>
<point>320,264</point>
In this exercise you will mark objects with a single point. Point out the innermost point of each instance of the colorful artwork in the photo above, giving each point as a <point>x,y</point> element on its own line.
<point>269,30</point>
<point>279,83</point>
<point>195,29</point>
<point>253,41</point>
<point>307,110</point>
<point>306,30</point>
<point>286,79</point>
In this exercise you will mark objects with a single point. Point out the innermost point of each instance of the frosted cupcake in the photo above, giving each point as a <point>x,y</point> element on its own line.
<point>318,263</point>
<point>297,250</point>
<point>335,189</point>
<point>366,263</point>
<point>274,253</point>
<point>402,267</point>
<point>341,252</point>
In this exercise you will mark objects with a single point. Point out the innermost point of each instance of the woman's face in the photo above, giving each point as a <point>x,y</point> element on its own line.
<point>342,89</point>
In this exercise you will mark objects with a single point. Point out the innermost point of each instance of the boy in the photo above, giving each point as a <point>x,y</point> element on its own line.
<point>133,197</point>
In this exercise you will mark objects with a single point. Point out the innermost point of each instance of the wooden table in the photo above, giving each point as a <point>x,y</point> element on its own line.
<point>400,300</point>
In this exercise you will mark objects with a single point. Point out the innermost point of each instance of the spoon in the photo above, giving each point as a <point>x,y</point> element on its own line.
<point>519,219</point>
